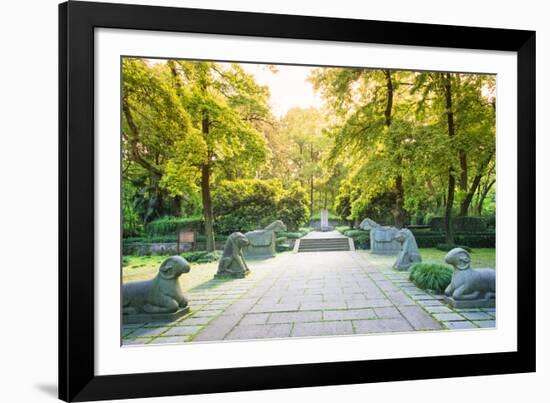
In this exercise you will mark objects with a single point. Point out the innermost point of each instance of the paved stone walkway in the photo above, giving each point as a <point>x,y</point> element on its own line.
<point>309,294</point>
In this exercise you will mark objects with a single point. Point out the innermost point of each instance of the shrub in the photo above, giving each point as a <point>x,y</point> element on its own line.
<point>362,241</point>
<point>342,228</point>
<point>201,256</point>
<point>249,204</point>
<point>431,276</point>
<point>445,247</point>
<point>169,225</point>
<point>292,208</point>
<point>282,247</point>
<point>361,238</point>
<point>459,224</point>
<point>291,235</point>
<point>355,232</point>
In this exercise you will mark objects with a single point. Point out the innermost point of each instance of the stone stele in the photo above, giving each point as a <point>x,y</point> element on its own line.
<point>382,239</point>
<point>409,250</point>
<point>232,263</point>
<point>263,241</point>
<point>158,299</point>
<point>469,288</point>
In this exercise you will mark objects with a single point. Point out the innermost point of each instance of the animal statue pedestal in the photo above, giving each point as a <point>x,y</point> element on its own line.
<point>382,239</point>
<point>409,250</point>
<point>160,299</point>
<point>469,288</point>
<point>155,317</point>
<point>465,304</point>
<point>232,263</point>
<point>263,241</point>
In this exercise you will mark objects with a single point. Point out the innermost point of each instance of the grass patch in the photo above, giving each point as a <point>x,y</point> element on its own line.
<point>431,276</point>
<point>481,257</point>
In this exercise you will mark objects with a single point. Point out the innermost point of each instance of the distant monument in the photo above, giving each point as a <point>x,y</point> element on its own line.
<point>469,288</point>
<point>232,263</point>
<point>263,241</point>
<point>409,250</point>
<point>382,239</point>
<point>160,298</point>
<point>324,221</point>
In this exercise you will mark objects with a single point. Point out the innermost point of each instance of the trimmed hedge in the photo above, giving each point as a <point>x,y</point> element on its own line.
<point>472,240</point>
<point>361,238</point>
<point>429,239</point>
<point>431,276</point>
<point>446,247</point>
<point>167,239</point>
<point>459,224</point>
<point>170,225</point>
<point>201,256</point>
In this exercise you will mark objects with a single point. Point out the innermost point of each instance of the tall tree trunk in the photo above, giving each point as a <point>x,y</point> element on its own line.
<point>389,104</point>
<point>207,208</point>
<point>206,196</point>
<point>451,182</point>
<point>311,195</point>
<point>449,209</point>
<point>399,211</point>
<point>483,196</point>
<point>468,199</point>
<point>464,207</point>
<point>463,181</point>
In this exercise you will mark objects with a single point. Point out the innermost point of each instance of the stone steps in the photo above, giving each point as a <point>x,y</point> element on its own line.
<point>323,245</point>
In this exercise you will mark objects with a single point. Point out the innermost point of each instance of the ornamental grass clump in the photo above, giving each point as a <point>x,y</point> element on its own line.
<point>431,276</point>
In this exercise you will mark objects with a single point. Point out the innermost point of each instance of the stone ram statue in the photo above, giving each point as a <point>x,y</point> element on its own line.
<point>409,250</point>
<point>469,287</point>
<point>143,300</point>
<point>263,241</point>
<point>382,239</point>
<point>232,263</point>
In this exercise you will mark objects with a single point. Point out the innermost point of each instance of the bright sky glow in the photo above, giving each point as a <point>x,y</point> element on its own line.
<point>289,87</point>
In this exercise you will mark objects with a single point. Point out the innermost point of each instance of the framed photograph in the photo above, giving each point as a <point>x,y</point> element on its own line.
<point>258,201</point>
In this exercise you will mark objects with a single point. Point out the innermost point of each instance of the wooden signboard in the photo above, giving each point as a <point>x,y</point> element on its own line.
<point>186,236</point>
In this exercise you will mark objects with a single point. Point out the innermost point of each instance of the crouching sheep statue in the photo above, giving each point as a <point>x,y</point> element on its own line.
<point>158,298</point>
<point>469,287</point>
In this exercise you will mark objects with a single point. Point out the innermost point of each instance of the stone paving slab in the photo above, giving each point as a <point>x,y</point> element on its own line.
<point>293,317</point>
<point>382,326</point>
<point>248,332</point>
<point>322,329</point>
<point>419,319</point>
<point>349,314</point>
<point>463,324</point>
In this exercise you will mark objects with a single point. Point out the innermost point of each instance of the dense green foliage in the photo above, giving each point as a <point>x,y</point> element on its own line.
<point>460,224</point>
<point>170,225</point>
<point>412,143</point>
<point>431,276</point>
<point>203,150</point>
<point>249,204</point>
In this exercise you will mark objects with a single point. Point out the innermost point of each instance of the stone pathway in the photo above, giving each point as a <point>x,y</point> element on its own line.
<point>323,235</point>
<point>309,294</point>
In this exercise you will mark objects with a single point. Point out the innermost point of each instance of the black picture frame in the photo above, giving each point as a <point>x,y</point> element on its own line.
<point>77,21</point>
